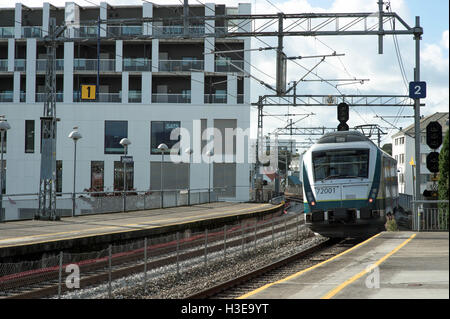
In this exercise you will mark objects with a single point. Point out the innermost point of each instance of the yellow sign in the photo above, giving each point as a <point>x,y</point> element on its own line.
<point>411,162</point>
<point>88,92</point>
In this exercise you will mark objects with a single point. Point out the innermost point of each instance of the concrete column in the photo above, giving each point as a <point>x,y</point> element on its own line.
<point>18,21</point>
<point>31,71</point>
<point>45,18</point>
<point>197,88</point>
<point>155,55</point>
<point>11,52</point>
<point>147,12</point>
<point>231,89</point>
<point>125,85</point>
<point>72,18</point>
<point>209,41</point>
<point>119,55</point>
<point>16,94</point>
<point>146,87</point>
<point>103,16</point>
<point>68,72</point>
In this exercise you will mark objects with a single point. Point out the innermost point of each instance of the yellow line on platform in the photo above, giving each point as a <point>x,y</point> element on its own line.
<point>31,237</point>
<point>333,292</point>
<point>251,293</point>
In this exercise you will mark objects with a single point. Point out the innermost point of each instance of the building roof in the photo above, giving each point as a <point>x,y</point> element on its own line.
<point>441,117</point>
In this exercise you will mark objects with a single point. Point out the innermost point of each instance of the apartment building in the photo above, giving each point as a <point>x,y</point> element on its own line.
<point>151,80</point>
<point>403,151</point>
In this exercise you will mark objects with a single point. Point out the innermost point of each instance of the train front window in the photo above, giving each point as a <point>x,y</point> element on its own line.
<point>335,164</point>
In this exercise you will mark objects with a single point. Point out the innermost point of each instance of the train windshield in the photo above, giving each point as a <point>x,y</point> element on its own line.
<point>335,164</point>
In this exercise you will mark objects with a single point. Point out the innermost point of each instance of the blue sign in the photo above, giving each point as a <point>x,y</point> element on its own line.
<point>417,90</point>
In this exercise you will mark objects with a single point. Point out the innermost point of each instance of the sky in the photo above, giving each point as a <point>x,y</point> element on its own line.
<point>361,60</point>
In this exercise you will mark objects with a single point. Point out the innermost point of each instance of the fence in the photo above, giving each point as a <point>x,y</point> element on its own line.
<point>148,259</point>
<point>433,215</point>
<point>25,206</point>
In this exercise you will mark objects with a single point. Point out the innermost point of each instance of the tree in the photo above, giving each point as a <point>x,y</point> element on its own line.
<point>443,185</point>
<point>387,148</point>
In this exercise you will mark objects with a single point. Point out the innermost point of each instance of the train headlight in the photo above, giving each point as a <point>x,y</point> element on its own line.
<point>313,203</point>
<point>370,200</point>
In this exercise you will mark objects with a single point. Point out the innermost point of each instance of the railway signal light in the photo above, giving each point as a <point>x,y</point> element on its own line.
<point>343,127</point>
<point>433,162</point>
<point>434,135</point>
<point>342,116</point>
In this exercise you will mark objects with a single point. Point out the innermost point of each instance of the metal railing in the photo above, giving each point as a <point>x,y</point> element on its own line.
<point>83,32</point>
<point>41,65</point>
<point>119,30</point>
<point>6,32</point>
<point>25,206</point>
<point>134,96</point>
<point>137,64</point>
<point>180,65</point>
<point>91,65</point>
<point>31,32</point>
<point>229,66</point>
<point>40,97</point>
<point>20,65</point>
<point>171,98</point>
<point>433,215</point>
<point>6,96</point>
<point>4,65</point>
<point>215,98</point>
<point>101,97</point>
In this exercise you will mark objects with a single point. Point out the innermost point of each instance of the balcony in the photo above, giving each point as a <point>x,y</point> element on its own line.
<point>171,98</point>
<point>31,32</point>
<point>6,32</point>
<point>84,32</point>
<point>229,66</point>
<point>6,96</point>
<point>177,30</point>
<point>41,65</point>
<point>215,98</point>
<point>134,96</point>
<point>91,65</point>
<point>20,65</point>
<point>137,64</point>
<point>181,65</point>
<point>40,97</point>
<point>126,30</point>
<point>4,65</point>
<point>101,97</point>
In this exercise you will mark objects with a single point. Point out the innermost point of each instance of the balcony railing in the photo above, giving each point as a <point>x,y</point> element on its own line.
<point>229,66</point>
<point>40,97</point>
<point>181,65</point>
<point>91,65</point>
<point>6,32</point>
<point>177,30</point>
<point>20,65</point>
<point>31,32</point>
<point>4,65</point>
<point>134,96</point>
<point>215,98</point>
<point>41,65</point>
<point>102,97</point>
<point>6,96</point>
<point>84,32</point>
<point>171,98</point>
<point>137,64</point>
<point>240,98</point>
<point>118,30</point>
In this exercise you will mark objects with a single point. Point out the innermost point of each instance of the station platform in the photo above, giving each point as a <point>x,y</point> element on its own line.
<point>33,237</point>
<point>390,265</point>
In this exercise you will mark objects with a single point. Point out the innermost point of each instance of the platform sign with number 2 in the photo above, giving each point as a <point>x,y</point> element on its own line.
<point>417,90</point>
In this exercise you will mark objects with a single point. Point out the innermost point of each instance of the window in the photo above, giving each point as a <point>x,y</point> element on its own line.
<point>97,176</point>
<point>114,132</point>
<point>402,158</point>
<point>118,176</point>
<point>160,133</point>
<point>29,136</point>
<point>59,177</point>
<point>175,175</point>
<point>341,164</point>
<point>401,178</point>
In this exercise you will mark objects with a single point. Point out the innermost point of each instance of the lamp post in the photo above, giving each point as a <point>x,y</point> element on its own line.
<point>189,151</point>
<point>162,148</point>
<point>210,154</point>
<point>4,126</point>
<point>75,136</point>
<point>124,142</point>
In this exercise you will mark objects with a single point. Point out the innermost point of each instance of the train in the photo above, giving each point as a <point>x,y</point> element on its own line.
<point>350,186</point>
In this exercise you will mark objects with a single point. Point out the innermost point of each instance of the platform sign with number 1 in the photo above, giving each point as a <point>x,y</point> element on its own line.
<point>88,92</point>
<point>417,90</point>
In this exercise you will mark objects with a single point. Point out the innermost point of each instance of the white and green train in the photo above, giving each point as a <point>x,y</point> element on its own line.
<point>349,186</point>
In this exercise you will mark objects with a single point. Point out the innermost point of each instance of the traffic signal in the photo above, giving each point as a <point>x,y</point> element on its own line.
<point>434,135</point>
<point>342,116</point>
<point>433,162</point>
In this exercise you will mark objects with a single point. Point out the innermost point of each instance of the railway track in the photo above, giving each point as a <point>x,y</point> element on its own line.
<point>275,271</point>
<point>46,282</point>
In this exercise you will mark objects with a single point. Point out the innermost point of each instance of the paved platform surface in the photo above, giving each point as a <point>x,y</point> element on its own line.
<point>121,225</point>
<point>392,265</point>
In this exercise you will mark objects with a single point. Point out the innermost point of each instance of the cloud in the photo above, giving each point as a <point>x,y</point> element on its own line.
<point>444,40</point>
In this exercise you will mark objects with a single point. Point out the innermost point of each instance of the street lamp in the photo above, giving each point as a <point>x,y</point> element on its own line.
<point>189,151</point>
<point>124,142</point>
<point>162,148</point>
<point>75,136</point>
<point>4,126</point>
<point>210,153</point>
